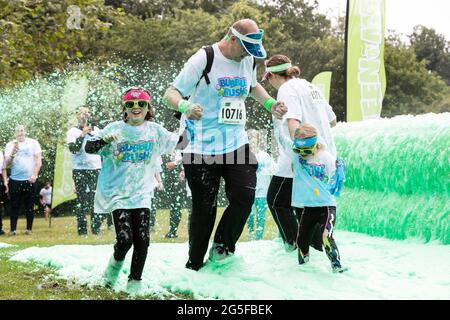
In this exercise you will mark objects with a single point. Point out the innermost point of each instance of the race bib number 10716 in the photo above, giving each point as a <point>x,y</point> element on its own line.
<point>232,112</point>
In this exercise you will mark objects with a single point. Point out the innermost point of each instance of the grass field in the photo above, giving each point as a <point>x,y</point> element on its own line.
<point>32,281</point>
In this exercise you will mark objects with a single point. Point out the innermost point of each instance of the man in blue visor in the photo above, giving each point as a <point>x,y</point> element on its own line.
<point>210,92</point>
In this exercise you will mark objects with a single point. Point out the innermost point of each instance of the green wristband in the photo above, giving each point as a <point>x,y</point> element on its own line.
<point>269,103</point>
<point>183,105</point>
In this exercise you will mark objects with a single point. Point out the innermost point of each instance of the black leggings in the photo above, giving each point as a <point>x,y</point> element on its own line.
<point>326,218</point>
<point>279,201</point>
<point>204,180</point>
<point>132,228</point>
<point>22,193</point>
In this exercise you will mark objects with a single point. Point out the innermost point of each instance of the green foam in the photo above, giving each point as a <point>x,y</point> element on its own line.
<point>398,177</point>
<point>394,216</point>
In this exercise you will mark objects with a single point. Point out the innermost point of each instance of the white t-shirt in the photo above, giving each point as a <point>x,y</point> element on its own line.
<point>266,168</point>
<point>2,161</point>
<point>46,195</point>
<point>82,160</point>
<point>126,180</point>
<point>306,104</point>
<point>23,163</point>
<point>230,81</point>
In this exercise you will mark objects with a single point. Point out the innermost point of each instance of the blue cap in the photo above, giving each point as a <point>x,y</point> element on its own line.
<point>252,43</point>
<point>305,142</point>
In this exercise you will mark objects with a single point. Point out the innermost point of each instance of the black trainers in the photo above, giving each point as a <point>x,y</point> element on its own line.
<point>302,259</point>
<point>219,253</point>
<point>192,266</point>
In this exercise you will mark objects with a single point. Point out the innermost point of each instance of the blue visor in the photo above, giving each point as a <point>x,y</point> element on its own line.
<point>255,49</point>
<point>305,142</point>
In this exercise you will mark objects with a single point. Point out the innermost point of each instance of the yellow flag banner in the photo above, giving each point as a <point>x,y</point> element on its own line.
<point>323,82</point>
<point>75,94</point>
<point>365,73</point>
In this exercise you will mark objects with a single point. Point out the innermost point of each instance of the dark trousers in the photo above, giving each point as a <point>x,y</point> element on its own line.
<point>3,200</point>
<point>22,193</point>
<point>132,228</point>
<point>203,174</point>
<point>279,197</point>
<point>325,217</point>
<point>85,184</point>
<point>279,201</point>
<point>176,191</point>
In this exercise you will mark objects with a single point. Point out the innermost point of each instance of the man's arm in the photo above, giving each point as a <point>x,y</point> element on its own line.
<point>75,146</point>
<point>172,97</point>
<point>175,101</point>
<point>277,108</point>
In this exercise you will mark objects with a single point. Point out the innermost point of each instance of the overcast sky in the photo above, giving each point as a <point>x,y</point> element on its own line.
<point>403,15</point>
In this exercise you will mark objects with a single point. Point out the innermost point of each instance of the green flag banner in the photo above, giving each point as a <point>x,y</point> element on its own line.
<point>323,82</point>
<point>75,94</point>
<point>365,74</point>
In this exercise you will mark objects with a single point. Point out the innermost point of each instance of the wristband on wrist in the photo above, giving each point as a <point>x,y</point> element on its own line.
<point>183,105</point>
<point>269,103</point>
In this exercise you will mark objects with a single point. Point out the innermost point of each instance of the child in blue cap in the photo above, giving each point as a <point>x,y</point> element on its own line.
<point>314,174</point>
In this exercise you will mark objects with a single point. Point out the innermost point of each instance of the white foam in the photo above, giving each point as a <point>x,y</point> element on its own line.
<point>379,269</point>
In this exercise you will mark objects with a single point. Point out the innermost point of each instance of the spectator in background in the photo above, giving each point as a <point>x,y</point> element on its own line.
<point>175,191</point>
<point>24,155</point>
<point>86,168</point>
<point>46,199</point>
<point>266,168</point>
<point>158,187</point>
<point>3,190</point>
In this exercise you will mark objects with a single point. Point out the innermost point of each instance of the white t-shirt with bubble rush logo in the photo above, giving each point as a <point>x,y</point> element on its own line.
<point>230,80</point>
<point>126,180</point>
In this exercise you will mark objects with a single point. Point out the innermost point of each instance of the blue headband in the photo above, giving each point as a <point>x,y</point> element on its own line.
<point>305,142</point>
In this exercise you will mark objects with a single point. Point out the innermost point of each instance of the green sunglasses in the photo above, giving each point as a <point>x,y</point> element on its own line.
<point>140,104</point>
<point>304,151</point>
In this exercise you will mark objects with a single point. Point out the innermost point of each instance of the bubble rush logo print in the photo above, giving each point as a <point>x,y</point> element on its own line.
<point>134,152</point>
<point>232,87</point>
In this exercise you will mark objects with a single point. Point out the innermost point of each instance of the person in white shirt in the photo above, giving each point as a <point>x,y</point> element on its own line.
<point>85,170</point>
<point>266,168</point>
<point>129,150</point>
<point>3,190</point>
<point>218,144</point>
<point>25,157</point>
<point>175,191</point>
<point>159,187</point>
<point>305,103</point>
<point>46,199</point>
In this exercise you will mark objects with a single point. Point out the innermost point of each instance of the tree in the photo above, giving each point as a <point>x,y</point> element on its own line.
<point>434,48</point>
<point>411,88</point>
